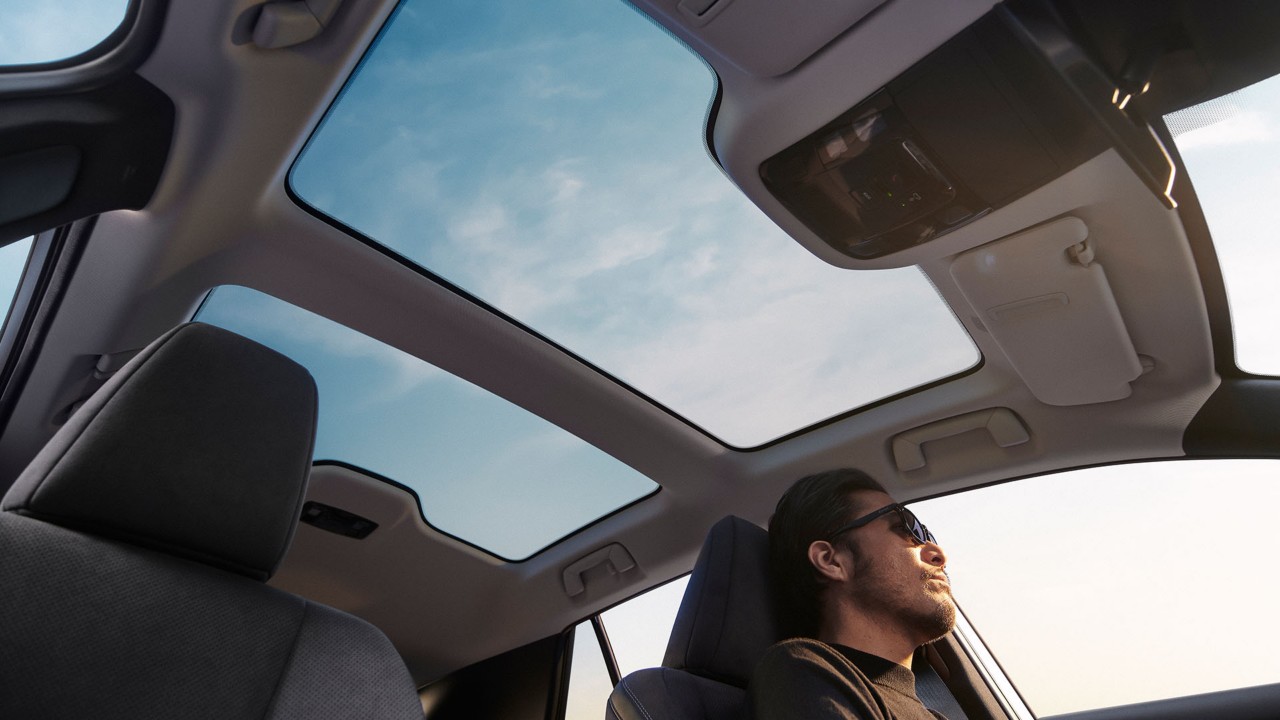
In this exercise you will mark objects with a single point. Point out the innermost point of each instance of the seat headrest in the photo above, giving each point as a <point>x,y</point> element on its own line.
<point>200,447</point>
<point>727,618</point>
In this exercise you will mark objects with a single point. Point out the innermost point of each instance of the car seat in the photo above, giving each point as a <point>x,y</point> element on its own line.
<point>727,619</point>
<point>135,546</point>
<point>725,623</point>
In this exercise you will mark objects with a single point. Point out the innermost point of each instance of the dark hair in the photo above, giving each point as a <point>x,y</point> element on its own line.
<point>812,509</point>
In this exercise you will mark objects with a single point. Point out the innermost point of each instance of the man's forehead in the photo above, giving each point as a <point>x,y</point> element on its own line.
<point>865,501</point>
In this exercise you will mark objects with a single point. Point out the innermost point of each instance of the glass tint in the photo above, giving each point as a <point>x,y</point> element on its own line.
<point>1228,147</point>
<point>43,31</point>
<point>485,470</point>
<point>549,158</point>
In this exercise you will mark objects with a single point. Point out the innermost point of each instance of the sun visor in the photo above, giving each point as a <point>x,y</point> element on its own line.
<point>1047,304</point>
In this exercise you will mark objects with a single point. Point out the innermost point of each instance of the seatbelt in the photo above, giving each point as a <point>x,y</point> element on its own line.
<point>933,692</point>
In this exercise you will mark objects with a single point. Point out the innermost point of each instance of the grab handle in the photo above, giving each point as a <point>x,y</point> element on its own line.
<point>1005,428</point>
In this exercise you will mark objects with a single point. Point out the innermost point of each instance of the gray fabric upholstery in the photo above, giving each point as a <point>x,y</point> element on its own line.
<point>109,612</point>
<point>666,694</point>
<point>200,447</point>
<point>342,667</point>
<point>725,623</point>
<point>726,620</point>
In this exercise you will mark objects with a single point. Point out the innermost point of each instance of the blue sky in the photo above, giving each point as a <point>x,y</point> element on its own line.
<point>484,470</point>
<point>36,31</point>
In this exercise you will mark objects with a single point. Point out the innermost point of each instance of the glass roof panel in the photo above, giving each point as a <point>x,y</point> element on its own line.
<point>549,158</point>
<point>43,31</point>
<point>485,471</point>
<point>1228,147</point>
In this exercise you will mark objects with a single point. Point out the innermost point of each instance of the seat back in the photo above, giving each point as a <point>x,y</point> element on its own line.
<point>725,623</point>
<point>727,620</point>
<point>134,547</point>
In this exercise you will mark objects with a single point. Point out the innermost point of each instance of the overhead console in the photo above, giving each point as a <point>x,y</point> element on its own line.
<point>1003,108</point>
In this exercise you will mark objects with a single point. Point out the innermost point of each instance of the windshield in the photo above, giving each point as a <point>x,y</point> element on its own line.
<point>1228,146</point>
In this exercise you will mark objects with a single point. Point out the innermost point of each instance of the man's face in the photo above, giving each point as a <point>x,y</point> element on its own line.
<point>897,577</point>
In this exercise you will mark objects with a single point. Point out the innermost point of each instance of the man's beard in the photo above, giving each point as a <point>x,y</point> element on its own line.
<point>928,613</point>
<point>939,619</point>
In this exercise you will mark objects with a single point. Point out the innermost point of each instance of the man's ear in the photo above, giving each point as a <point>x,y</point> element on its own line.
<point>829,563</point>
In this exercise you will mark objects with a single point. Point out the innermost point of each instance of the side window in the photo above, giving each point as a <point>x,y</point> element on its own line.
<point>13,259</point>
<point>589,682</point>
<point>1122,584</point>
<point>637,631</point>
<point>638,628</point>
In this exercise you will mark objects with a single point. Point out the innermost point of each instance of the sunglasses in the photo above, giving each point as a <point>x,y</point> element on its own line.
<point>909,521</point>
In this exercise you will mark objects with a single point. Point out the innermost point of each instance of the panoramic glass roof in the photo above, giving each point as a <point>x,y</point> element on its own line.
<point>485,471</point>
<point>1229,146</point>
<point>549,159</point>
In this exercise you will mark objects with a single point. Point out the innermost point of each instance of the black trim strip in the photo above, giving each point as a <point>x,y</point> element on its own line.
<point>558,697</point>
<point>1240,419</point>
<point>606,649</point>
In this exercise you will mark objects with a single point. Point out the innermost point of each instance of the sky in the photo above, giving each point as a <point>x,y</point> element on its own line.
<point>1122,584</point>
<point>1231,163</point>
<point>551,161</point>
<point>37,31</point>
<point>485,470</point>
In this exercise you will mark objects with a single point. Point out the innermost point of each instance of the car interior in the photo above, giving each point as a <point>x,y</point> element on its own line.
<point>959,245</point>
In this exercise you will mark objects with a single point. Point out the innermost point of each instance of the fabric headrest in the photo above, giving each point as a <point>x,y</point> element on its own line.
<point>727,617</point>
<point>199,447</point>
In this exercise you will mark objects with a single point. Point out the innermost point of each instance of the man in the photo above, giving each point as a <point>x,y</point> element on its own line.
<point>862,584</point>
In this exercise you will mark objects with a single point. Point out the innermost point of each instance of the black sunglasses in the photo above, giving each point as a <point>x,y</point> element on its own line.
<point>909,521</point>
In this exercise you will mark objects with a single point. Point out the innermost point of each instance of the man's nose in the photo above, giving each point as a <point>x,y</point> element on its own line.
<point>932,553</point>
